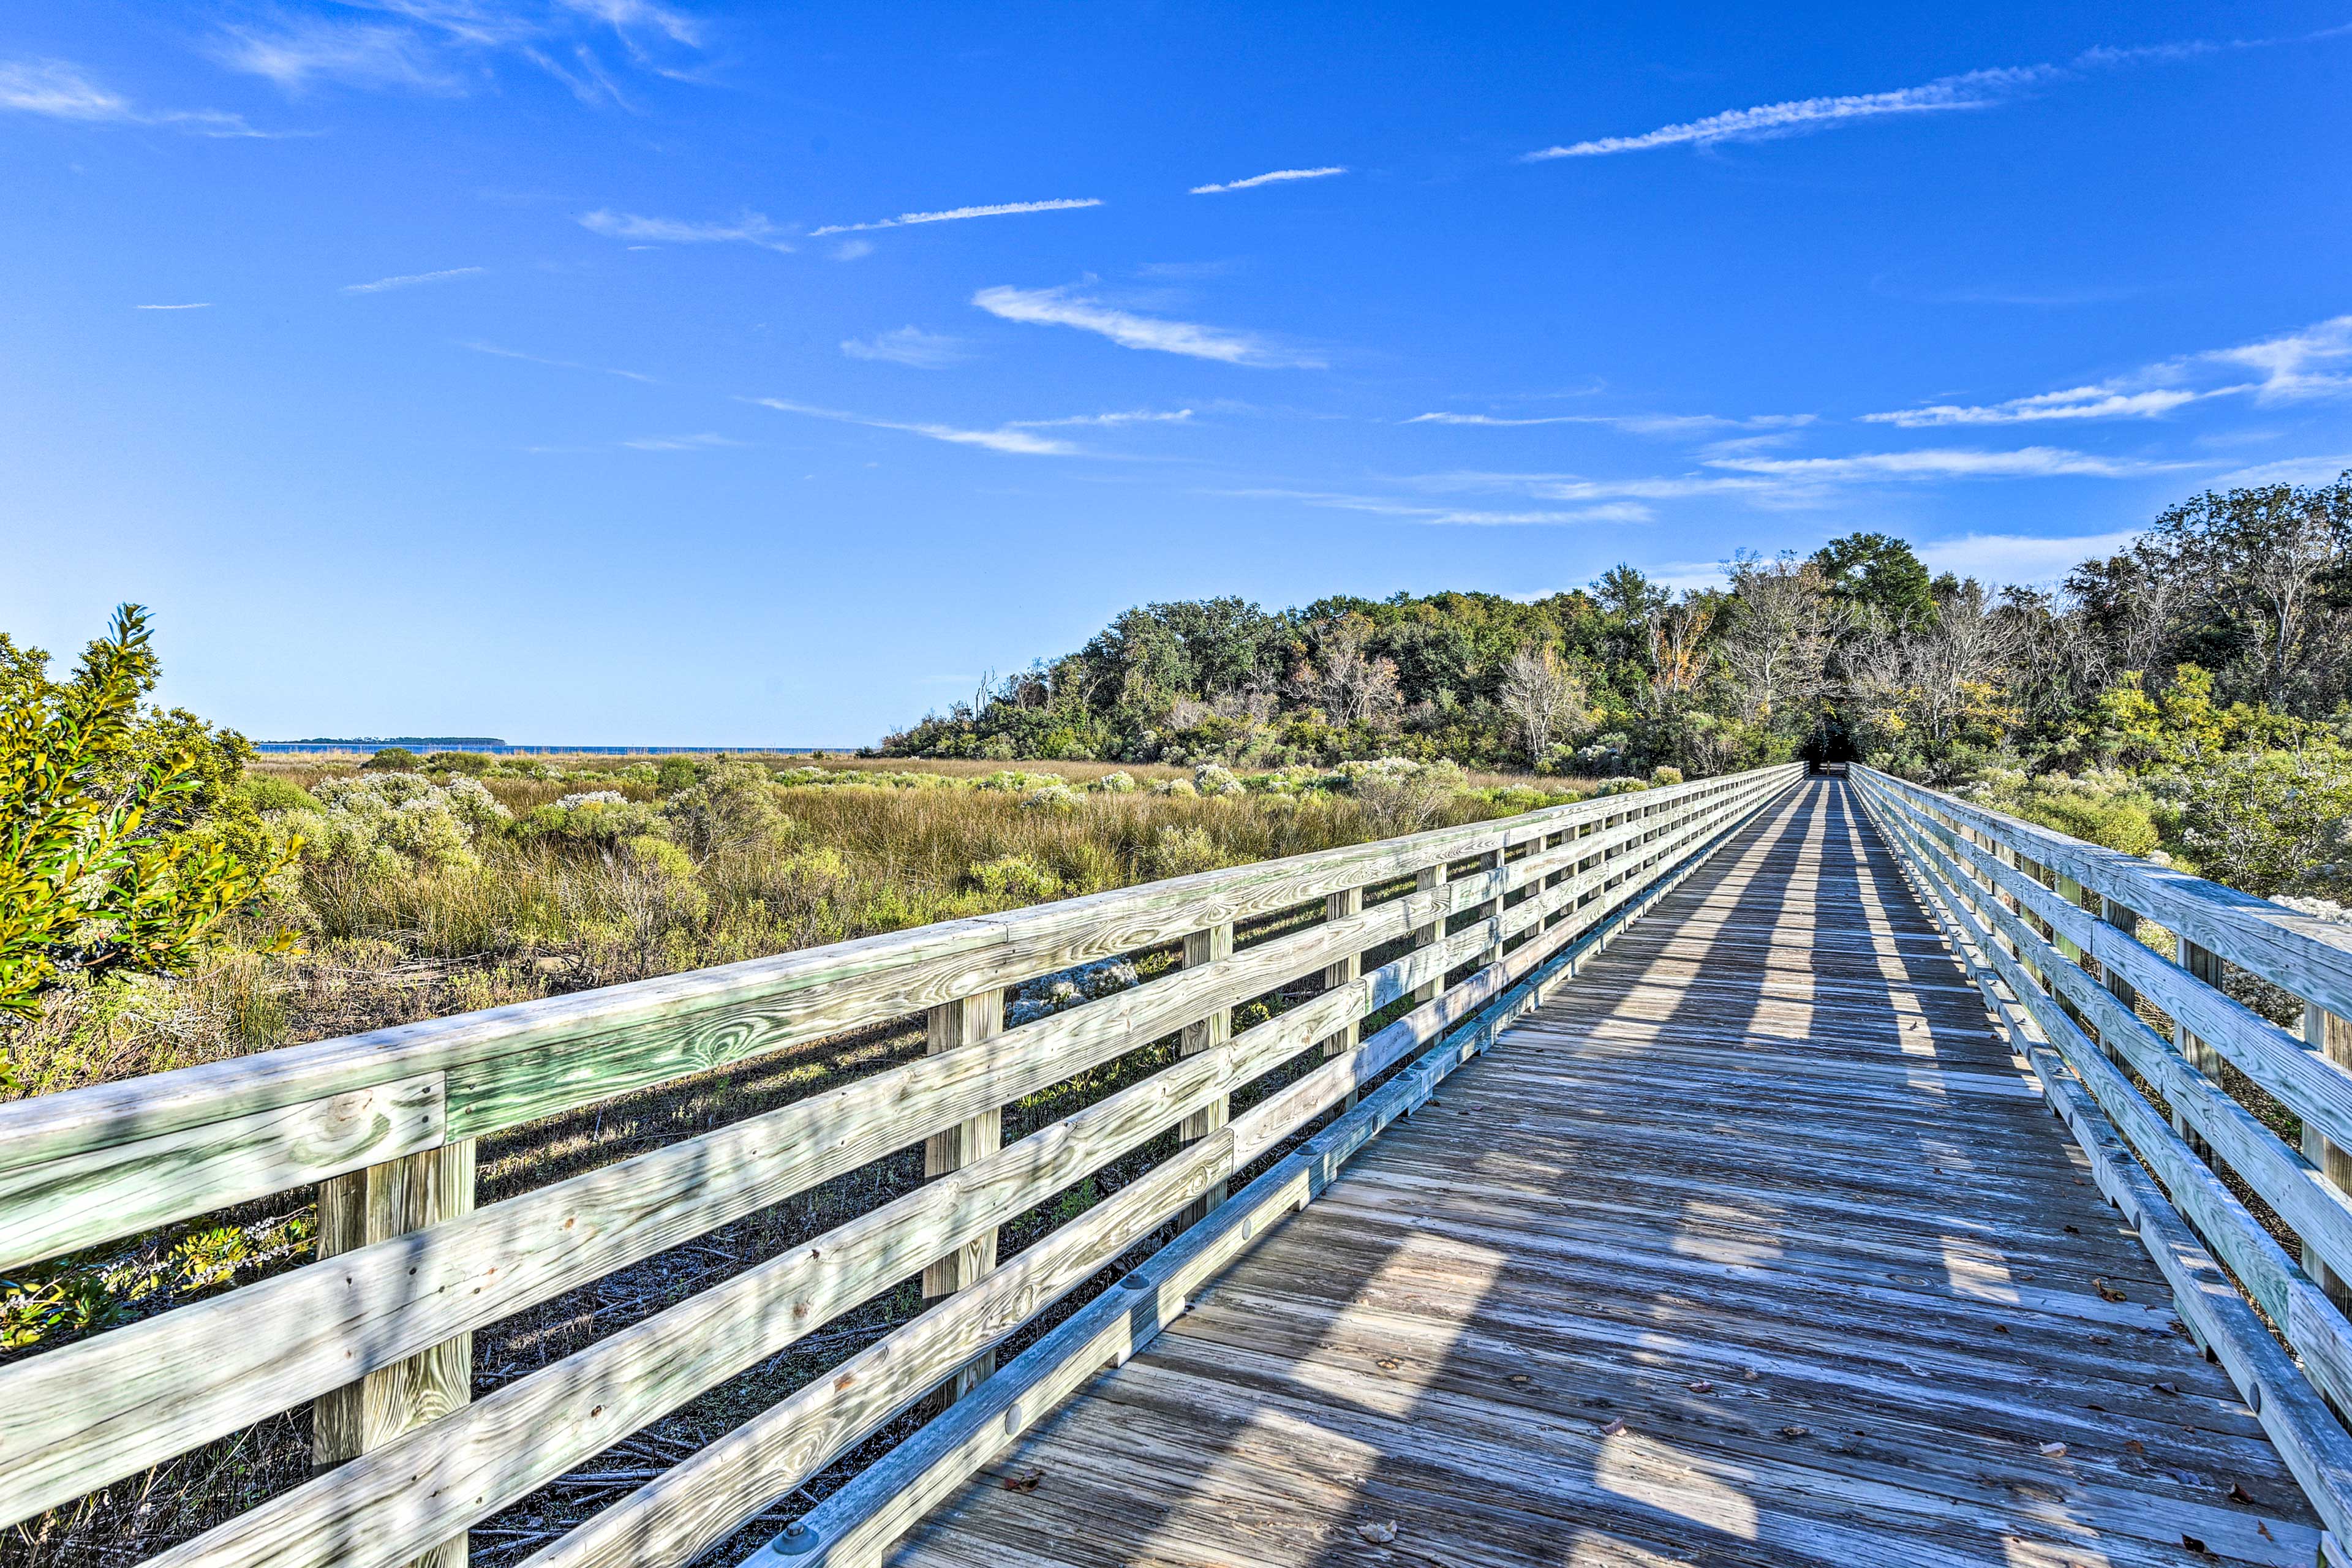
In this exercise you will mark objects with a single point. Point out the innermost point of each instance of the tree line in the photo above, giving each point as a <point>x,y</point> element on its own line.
<point>2239,600</point>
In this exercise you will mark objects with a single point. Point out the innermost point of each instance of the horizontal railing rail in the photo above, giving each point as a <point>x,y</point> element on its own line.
<point>2130,1042</point>
<point>375,1333</point>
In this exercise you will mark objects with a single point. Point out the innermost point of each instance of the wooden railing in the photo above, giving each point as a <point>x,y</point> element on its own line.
<point>374,1334</point>
<point>2158,1070</point>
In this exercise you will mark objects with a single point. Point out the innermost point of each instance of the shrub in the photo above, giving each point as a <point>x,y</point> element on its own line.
<point>1181,851</point>
<point>369,822</point>
<point>731,806</point>
<point>1401,796</point>
<point>394,760</point>
<point>1116,783</point>
<point>673,775</point>
<point>1014,879</point>
<point>265,792</point>
<point>473,763</point>
<point>1665,774</point>
<point>1212,780</point>
<point>1182,788</point>
<point>596,817</point>
<point>1053,798</point>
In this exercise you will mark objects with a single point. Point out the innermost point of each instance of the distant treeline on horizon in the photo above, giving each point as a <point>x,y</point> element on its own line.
<point>494,747</point>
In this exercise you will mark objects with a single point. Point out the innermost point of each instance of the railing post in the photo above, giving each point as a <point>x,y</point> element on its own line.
<point>1429,935</point>
<point>1206,947</point>
<point>1341,906</point>
<point>358,1210</point>
<point>2205,966</point>
<point>1491,908</point>
<point>966,1021</point>
<point>2322,1031</point>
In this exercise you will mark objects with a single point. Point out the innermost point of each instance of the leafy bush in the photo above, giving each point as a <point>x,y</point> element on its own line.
<point>731,806</point>
<point>1116,783</point>
<point>594,818</point>
<point>1401,796</point>
<point>1014,879</point>
<point>91,881</point>
<point>1665,774</point>
<point>1181,851</point>
<point>473,763</point>
<point>672,774</point>
<point>394,760</point>
<point>1180,788</point>
<point>1213,781</point>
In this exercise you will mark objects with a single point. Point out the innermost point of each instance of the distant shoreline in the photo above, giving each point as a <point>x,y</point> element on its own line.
<point>364,747</point>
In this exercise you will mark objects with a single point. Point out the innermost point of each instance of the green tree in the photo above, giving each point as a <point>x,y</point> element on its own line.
<point>1879,573</point>
<point>94,879</point>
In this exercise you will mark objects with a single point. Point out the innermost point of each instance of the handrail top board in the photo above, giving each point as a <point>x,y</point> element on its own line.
<point>2309,956</point>
<point>708,1017</point>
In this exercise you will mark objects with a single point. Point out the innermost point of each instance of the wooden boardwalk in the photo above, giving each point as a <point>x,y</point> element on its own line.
<point>1754,1246</point>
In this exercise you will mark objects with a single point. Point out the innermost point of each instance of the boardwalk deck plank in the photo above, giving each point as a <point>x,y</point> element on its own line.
<point>1761,1184</point>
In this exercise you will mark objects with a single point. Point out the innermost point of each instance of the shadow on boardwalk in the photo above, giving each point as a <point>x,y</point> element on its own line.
<point>1753,1246</point>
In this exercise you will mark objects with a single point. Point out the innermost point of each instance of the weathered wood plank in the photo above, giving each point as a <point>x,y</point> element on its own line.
<point>967,1021</point>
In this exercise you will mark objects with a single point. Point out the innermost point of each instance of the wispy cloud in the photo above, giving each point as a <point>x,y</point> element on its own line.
<point>1275,177</point>
<point>2101,401</point>
<point>2018,558</point>
<point>957,214</point>
<point>447,47</point>
<point>2309,363</point>
<point>1106,421</point>
<point>747,228</point>
<point>199,305</point>
<point>909,346</point>
<point>495,349</point>
<point>1945,463</point>
<point>1407,511</point>
<point>300,55</point>
<point>57,90</point>
<point>411,280</point>
<point>707,441</point>
<point>2319,471</point>
<point>2297,365</point>
<point>1970,90</point>
<point>1632,424</point>
<point>1965,90</point>
<point>1005,439</point>
<point>1061,308</point>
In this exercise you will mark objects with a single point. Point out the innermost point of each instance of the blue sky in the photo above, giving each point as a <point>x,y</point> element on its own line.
<point>608,371</point>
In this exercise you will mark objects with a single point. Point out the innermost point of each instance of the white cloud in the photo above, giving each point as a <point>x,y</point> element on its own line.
<point>1577,488</point>
<point>957,214</point>
<point>1439,516</point>
<point>623,15</point>
<point>411,280</point>
<point>364,54</point>
<point>1972,90</point>
<point>202,305</point>
<point>2099,401</point>
<point>1943,463</point>
<point>2005,558</point>
<point>1276,177</point>
<point>2291,366</point>
<point>1632,424</point>
<point>1132,416</point>
<point>557,363</point>
<point>707,441</point>
<point>1060,308</point>
<point>909,346</point>
<point>853,250</point>
<point>1007,439</point>
<point>439,46</point>
<point>2293,363</point>
<point>58,90</point>
<point>747,228</point>
<point>2320,470</point>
